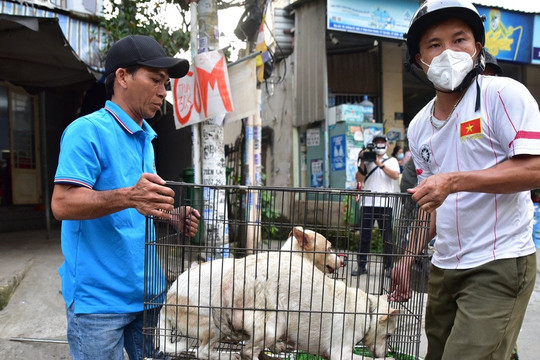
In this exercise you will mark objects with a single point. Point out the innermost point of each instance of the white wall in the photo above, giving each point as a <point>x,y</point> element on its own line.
<point>277,114</point>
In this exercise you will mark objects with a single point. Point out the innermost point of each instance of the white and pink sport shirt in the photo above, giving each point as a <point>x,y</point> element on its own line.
<point>475,228</point>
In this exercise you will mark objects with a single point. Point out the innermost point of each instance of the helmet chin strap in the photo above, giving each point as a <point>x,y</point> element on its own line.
<point>477,103</point>
<point>472,75</point>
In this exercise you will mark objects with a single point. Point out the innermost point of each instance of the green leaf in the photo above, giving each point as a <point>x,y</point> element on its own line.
<point>137,17</point>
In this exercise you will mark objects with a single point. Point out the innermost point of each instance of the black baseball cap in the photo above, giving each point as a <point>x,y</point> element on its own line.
<point>145,51</point>
<point>379,136</point>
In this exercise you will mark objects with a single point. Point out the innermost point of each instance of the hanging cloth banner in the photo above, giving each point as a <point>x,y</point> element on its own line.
<point>204,92</point>
<point>244,90</point>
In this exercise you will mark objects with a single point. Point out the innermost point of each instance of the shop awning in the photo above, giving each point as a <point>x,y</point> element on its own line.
<point>35,53</point>
<point>527,6</point>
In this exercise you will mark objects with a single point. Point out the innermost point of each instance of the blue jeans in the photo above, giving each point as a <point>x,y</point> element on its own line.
<point>104,336</point>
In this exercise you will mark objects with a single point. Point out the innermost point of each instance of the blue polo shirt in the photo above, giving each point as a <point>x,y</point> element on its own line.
<point>103,269</point>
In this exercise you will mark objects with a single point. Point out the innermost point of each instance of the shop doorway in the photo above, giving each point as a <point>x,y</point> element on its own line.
<point>20,177</point>
<point>416,94</point>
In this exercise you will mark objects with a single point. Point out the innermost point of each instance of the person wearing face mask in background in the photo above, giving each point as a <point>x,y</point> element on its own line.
<point>379,174</point>
<point>476,149</point>
<point>398,154</point>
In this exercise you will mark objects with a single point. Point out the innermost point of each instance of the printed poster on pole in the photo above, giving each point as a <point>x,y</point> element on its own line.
<point>205,91</point>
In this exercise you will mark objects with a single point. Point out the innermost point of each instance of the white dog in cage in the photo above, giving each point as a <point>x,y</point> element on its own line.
<point>186,313</point>
<point>276,298</point>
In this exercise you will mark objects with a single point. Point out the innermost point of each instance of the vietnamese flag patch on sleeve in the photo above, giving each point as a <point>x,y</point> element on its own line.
<point>471,128</point>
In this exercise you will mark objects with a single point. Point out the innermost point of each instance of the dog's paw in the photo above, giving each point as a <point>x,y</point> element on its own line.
<point>235,356</point>
<point>216,355</point>
<point>278,347</point>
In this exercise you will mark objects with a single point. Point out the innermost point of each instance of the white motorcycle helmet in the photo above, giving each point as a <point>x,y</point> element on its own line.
<point>435,11</point>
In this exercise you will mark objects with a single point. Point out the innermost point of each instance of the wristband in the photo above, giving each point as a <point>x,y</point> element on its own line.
<point>382,166</point>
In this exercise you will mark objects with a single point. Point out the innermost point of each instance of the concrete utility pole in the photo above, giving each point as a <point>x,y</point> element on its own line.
<point>212,148</point>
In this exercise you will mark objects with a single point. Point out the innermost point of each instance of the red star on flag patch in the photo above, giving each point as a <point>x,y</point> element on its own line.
<point>470,128</point>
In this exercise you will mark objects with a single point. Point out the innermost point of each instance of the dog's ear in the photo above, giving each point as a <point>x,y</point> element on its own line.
<point>295,231</point>
<point>304,237</point>
<point>393,312</point>
<point>298,230</point>
<point>298,233</point>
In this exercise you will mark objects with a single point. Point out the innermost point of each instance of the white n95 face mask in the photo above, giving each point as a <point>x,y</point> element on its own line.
<point>448,69</point>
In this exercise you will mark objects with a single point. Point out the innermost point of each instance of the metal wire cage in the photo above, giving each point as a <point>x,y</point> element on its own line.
<point>279,273</point>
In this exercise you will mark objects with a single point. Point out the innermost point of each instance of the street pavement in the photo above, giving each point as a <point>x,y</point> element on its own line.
<point>33,324</point>
<point>36,310</point>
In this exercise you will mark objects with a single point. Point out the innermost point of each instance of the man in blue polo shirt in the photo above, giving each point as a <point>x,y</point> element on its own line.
<point>105,185</point>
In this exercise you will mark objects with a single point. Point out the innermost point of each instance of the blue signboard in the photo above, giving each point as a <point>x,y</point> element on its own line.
<point>508,34</point>
<point>317,172</point>
<point>338,153</point>
<point>389,19</point>
<point>536,41</point>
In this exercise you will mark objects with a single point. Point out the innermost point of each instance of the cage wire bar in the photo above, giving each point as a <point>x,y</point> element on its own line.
<point>255,284</point>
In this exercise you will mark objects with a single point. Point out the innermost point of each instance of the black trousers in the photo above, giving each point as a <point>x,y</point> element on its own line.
<point>383,216</point>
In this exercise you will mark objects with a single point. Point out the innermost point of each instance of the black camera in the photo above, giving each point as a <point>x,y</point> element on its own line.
<point>369,153</point>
